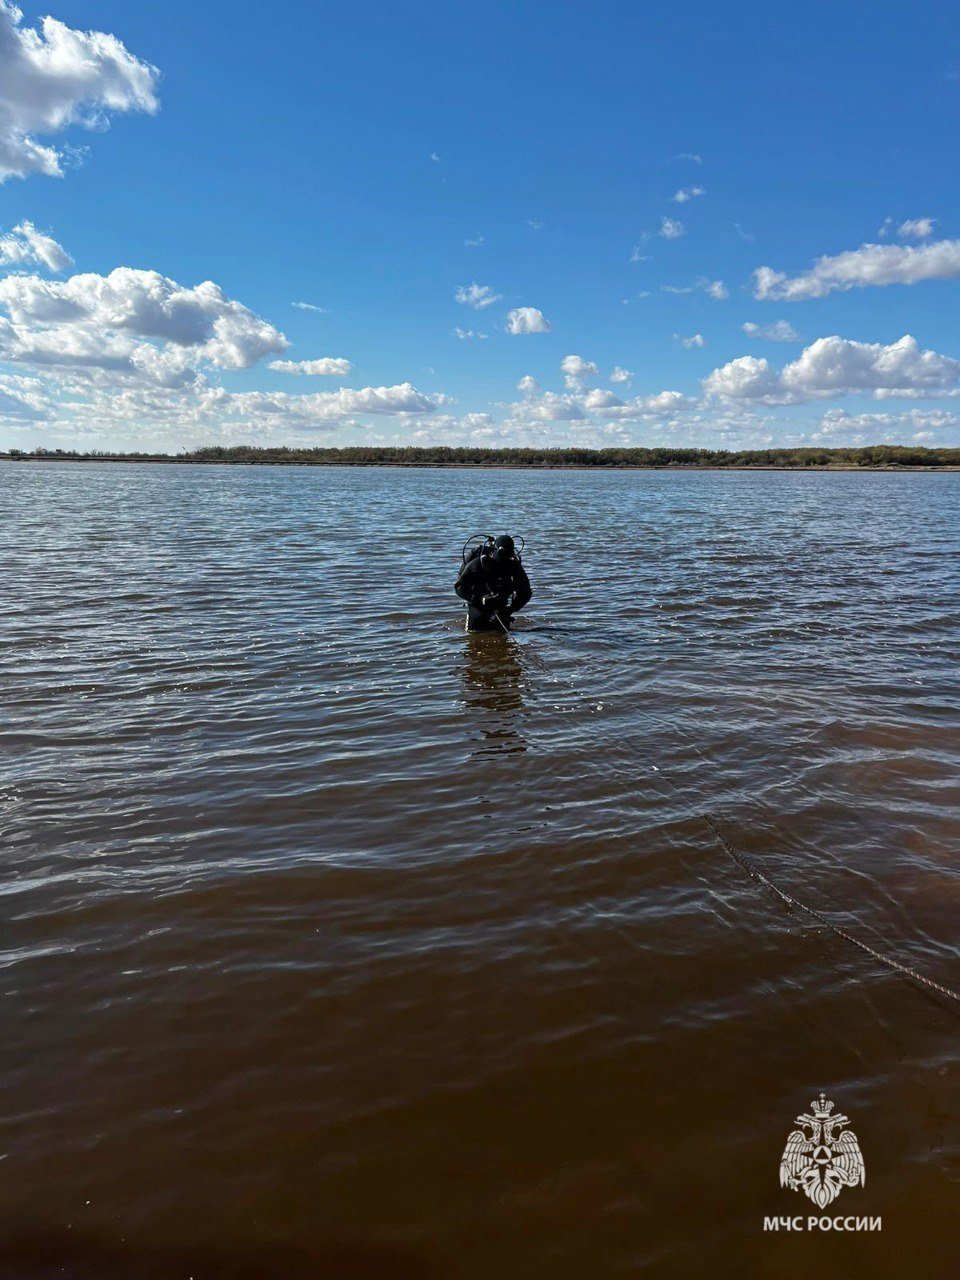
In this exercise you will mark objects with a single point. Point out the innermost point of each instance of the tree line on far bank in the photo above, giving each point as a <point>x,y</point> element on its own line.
<point>882,455</point>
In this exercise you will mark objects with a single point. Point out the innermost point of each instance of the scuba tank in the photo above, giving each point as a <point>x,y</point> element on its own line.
<point>481,544</point>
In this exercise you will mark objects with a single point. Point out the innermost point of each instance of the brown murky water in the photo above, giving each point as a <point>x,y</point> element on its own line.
<point>337,943</point>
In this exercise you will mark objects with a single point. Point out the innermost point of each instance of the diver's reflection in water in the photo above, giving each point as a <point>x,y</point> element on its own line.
<point>493,690</point>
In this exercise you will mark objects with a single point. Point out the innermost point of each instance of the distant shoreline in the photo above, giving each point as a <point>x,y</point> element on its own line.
<point>497,464</point>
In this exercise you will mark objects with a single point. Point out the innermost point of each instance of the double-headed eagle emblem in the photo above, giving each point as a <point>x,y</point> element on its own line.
<point>818,1159</point>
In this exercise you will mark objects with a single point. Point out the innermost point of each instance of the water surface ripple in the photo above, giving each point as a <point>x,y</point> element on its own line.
<point>336,942</point>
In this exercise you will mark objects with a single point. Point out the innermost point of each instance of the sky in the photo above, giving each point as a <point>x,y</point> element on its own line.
<point>520,223</point>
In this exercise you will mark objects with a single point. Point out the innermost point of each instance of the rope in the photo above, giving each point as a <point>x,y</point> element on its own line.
<point>746,864</point>
<point>797,904</point>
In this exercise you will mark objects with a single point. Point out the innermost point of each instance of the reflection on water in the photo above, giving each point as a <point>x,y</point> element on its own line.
<point>493,679</point>
<point>337,943</point>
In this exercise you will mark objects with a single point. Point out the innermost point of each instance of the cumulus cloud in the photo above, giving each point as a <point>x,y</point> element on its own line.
<point>26,246</point>
<point>663,405</point>
<point>546,407</point>
<point>330,406</point>
<point>837,366</point>
<point>695,340</point>
<point>620,375</point>
<point>446,427</point>
<point>746,378</point>
<point>671,228</point>
<point>325,367</point>
<point>689,155</point>
<point>466,334</point>
<point>922,426</point>
<point>917,228</point>
<point>597,406</point>
<point>575,369</point>
<point>22,400</point>
<point>637,256</point>
<point>527,320</point>
<point>130,327</point>
<point>871,264</point>
<point>910,229</point>
<point>147,305</point>
<point>475,243</point>
<point>779,331</point>
<point>686,194</point>
<point>54,77</point>
<point>476,295</point>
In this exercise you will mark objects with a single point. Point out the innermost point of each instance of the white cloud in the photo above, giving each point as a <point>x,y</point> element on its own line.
<point>527,320</point>
<point>466,334</point>
<point>533,224</point>
<point>744,235</point>
<point>600,399</point>
<point>308,306</point>
<point>434,157</point>
<point>715,289</point>
<point>55,77</point>
<point>330,406</point>
<point>665,404</point>
<point>112,322</point>
<point>575,369</point>
<point>22,400</point>
<point>476,295</point>
<point>325,367</point>
<point>621,375</point>
<point>746,378</point>
<point>917,228</point>
<point>696,340</point>
<point>837,366</point>
<point>25,245</point>
<point>548,407</point>
<point>834,365</point>
<point>779,331</point>
<point>158,416</point>
<point>871,264</point>
<point>149,305</point>
<point>593,407</point>
<point>686,194</point>
<point>637,256</point>
<point>689,155</point>
<point>446,427</point>
<point>837,426</point>
<point>671,228</point>
<point>475,243</point>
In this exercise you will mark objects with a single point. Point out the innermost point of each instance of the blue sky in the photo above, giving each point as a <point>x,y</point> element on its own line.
<point>611,177</point>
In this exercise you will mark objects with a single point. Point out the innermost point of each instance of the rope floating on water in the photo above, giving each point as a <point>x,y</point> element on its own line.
<point>740,857</point>
<point>750,867</point>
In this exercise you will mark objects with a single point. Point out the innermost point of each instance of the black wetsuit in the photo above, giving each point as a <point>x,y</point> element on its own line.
<point>482,576</point>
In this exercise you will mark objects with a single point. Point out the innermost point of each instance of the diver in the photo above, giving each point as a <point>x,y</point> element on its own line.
<point>494,584</point>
